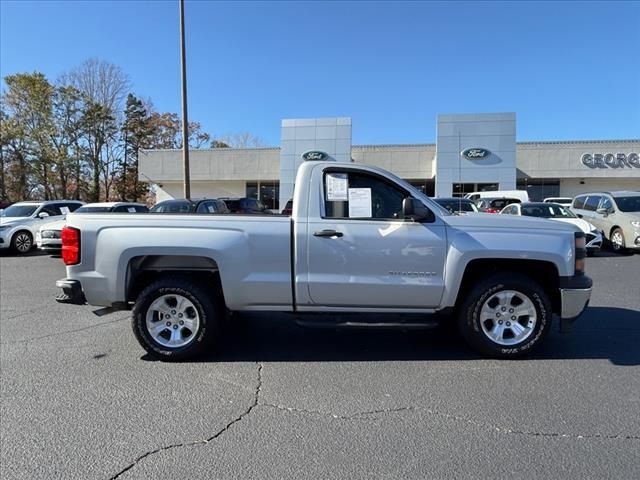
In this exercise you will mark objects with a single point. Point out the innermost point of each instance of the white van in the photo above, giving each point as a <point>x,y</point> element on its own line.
<point>521,195</point>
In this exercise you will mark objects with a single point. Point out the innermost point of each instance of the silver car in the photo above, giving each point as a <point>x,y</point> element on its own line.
<point>19,223</point>
<point>616,214</point>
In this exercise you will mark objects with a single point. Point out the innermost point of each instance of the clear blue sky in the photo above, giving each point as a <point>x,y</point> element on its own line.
<point>569,70</point>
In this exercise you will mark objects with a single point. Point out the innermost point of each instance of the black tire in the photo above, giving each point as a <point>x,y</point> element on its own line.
<point>469,321</point>
<point>209,309</point>
<point>22,242</point>
<point>618,247</point>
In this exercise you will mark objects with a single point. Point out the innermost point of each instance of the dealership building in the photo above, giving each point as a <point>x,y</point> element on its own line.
<point>473,152</point>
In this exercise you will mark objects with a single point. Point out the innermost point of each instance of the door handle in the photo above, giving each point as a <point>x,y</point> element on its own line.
<point>327,233</point>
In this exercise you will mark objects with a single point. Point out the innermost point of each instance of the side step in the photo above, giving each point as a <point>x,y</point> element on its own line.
<point>340,322</point>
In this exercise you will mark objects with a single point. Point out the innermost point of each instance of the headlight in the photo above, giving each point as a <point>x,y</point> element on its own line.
<point>636,224</point>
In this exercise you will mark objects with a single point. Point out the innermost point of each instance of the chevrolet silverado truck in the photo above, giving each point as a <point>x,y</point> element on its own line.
<point>359,242</point>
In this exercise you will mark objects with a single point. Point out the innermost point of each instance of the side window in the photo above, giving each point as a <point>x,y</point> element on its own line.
<point>592,203</point>
<point>53,209</point>
<point>206,207</point>
<point>120,209</point>
<point>73,206</point>
<point>361,195</point>
<point>606,203</point>
<point>578,202</point>
<point>141,209</point>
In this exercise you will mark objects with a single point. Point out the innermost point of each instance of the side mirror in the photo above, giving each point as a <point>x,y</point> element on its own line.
<point>602,211</point>
<point>578,215</point>
<point>43,215</point>
<point>415,210</point>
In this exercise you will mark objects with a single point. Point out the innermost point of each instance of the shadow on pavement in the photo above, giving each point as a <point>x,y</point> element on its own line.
<point>601,333</point>
<point>8,252</point>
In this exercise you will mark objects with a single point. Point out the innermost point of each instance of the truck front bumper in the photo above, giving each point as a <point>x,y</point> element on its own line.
<point>71,292</point>
<point>575,293</point>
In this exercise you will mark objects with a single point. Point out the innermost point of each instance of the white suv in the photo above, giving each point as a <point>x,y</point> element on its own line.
<point>20,222</point>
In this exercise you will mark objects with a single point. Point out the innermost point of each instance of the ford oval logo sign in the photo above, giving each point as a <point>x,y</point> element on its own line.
<point>475,153</point>
<point>314,155</point>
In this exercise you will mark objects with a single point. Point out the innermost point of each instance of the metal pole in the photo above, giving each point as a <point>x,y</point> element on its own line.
<point>185,121</point>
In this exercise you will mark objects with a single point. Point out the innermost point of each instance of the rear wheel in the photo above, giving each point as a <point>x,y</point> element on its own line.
<point>22,242</point>
<point>505,316</point>
<point>176,319</point>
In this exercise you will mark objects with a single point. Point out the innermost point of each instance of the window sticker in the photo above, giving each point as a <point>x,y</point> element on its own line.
<point>64,210</point>
<point>337,184</point>
<point>359,203</point>
<point>211,209</point>
<point>131,209</point>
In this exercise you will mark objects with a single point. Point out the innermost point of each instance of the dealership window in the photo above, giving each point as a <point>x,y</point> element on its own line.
<point>425,186</point>
<point>461,189</point>
<point>538,190</point>
<point>267,191</point>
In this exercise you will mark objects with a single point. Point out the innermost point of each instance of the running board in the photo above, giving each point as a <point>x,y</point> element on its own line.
<point>424,325</point>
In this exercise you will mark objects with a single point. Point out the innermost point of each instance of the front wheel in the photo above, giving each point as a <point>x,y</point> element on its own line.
<point>22,242</point>
<point>617,241</point>
<point>506,316</point>
<point>175,319</point>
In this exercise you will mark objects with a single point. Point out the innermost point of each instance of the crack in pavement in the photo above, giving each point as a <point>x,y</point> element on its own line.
<point>33,339</point>
<point>254,403</point>
<point>368,415</point>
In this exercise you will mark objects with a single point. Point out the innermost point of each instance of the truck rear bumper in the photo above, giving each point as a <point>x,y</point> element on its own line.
<point>71,292</point>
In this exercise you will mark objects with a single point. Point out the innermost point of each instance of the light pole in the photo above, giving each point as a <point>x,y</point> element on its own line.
<point>185,121</point>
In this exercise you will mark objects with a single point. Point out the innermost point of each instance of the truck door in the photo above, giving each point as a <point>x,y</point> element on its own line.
<point>363,253</point>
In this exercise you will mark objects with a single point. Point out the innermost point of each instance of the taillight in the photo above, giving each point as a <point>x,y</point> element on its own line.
<point>491,210</point>
<point>70,246</point>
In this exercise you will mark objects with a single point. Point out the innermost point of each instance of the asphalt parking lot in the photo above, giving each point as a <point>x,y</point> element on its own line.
<point>80,400</point>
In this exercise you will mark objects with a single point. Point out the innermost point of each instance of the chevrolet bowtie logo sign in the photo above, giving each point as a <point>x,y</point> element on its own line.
<point>475,153</point>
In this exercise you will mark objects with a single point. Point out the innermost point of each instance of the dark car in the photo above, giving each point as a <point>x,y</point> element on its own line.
<point>113,207</point>
<point>203,205</point>
<point>457,205</point>
<point>245,205</point>
<point>288,208</point>
<point>494,205</point>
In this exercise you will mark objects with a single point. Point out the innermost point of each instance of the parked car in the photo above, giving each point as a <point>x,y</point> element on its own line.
<point>494,205</point>
<point>557,212</point>
<point>521,195</point>
<point>202,205</point>
<point>564,201</point>
<point>457,205</point>
<point>48,236</point>
<point>616,214</point>
<point>388,248</point>
<point>5,204</point>
<point>245,205</point>
<point>20,223</point>
<point>288,208</point>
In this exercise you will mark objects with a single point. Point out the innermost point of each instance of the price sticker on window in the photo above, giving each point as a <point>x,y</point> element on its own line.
<point>337,185</point>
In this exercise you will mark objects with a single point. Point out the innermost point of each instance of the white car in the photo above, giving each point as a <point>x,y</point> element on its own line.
<point>49,239</point>
<point>19,223</point>
<point>564,201</point>
<point>557,212</point>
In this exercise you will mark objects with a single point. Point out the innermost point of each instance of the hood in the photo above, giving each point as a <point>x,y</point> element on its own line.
<point>583,225</point>
<point>496,220</point>
<point>14,220</point>
<point>57,225</point>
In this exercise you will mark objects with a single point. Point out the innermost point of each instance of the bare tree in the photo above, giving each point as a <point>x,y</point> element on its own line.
<point>239,140</point>
<point>102,82</point>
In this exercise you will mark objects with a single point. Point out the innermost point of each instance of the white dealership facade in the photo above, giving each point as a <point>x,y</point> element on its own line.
<point>473,152</point>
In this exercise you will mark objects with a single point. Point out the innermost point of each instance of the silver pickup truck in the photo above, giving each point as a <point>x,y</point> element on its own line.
<point>359,240</point>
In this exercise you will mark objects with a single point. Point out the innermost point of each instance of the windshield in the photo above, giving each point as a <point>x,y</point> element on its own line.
<point>172,207</point>
<point>628,204</point>
<point>547,211</point>
<point>92,209</point>
<point>458,206</point>
<point>20,210</point>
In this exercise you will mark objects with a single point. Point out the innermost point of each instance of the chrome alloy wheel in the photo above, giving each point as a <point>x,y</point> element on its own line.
<point>617,241</point>
<point>172,321</point>
<point>23,242</point>
<point>508,317</point>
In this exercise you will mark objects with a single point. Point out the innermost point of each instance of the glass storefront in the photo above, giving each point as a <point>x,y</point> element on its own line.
<point>538,190</point>
<point>267,191</point>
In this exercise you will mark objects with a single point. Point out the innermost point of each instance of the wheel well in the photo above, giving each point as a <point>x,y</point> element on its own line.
<point>545,274</point>
<point>612,229</point>
<point>146,269</point>
<point>22,230</point>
